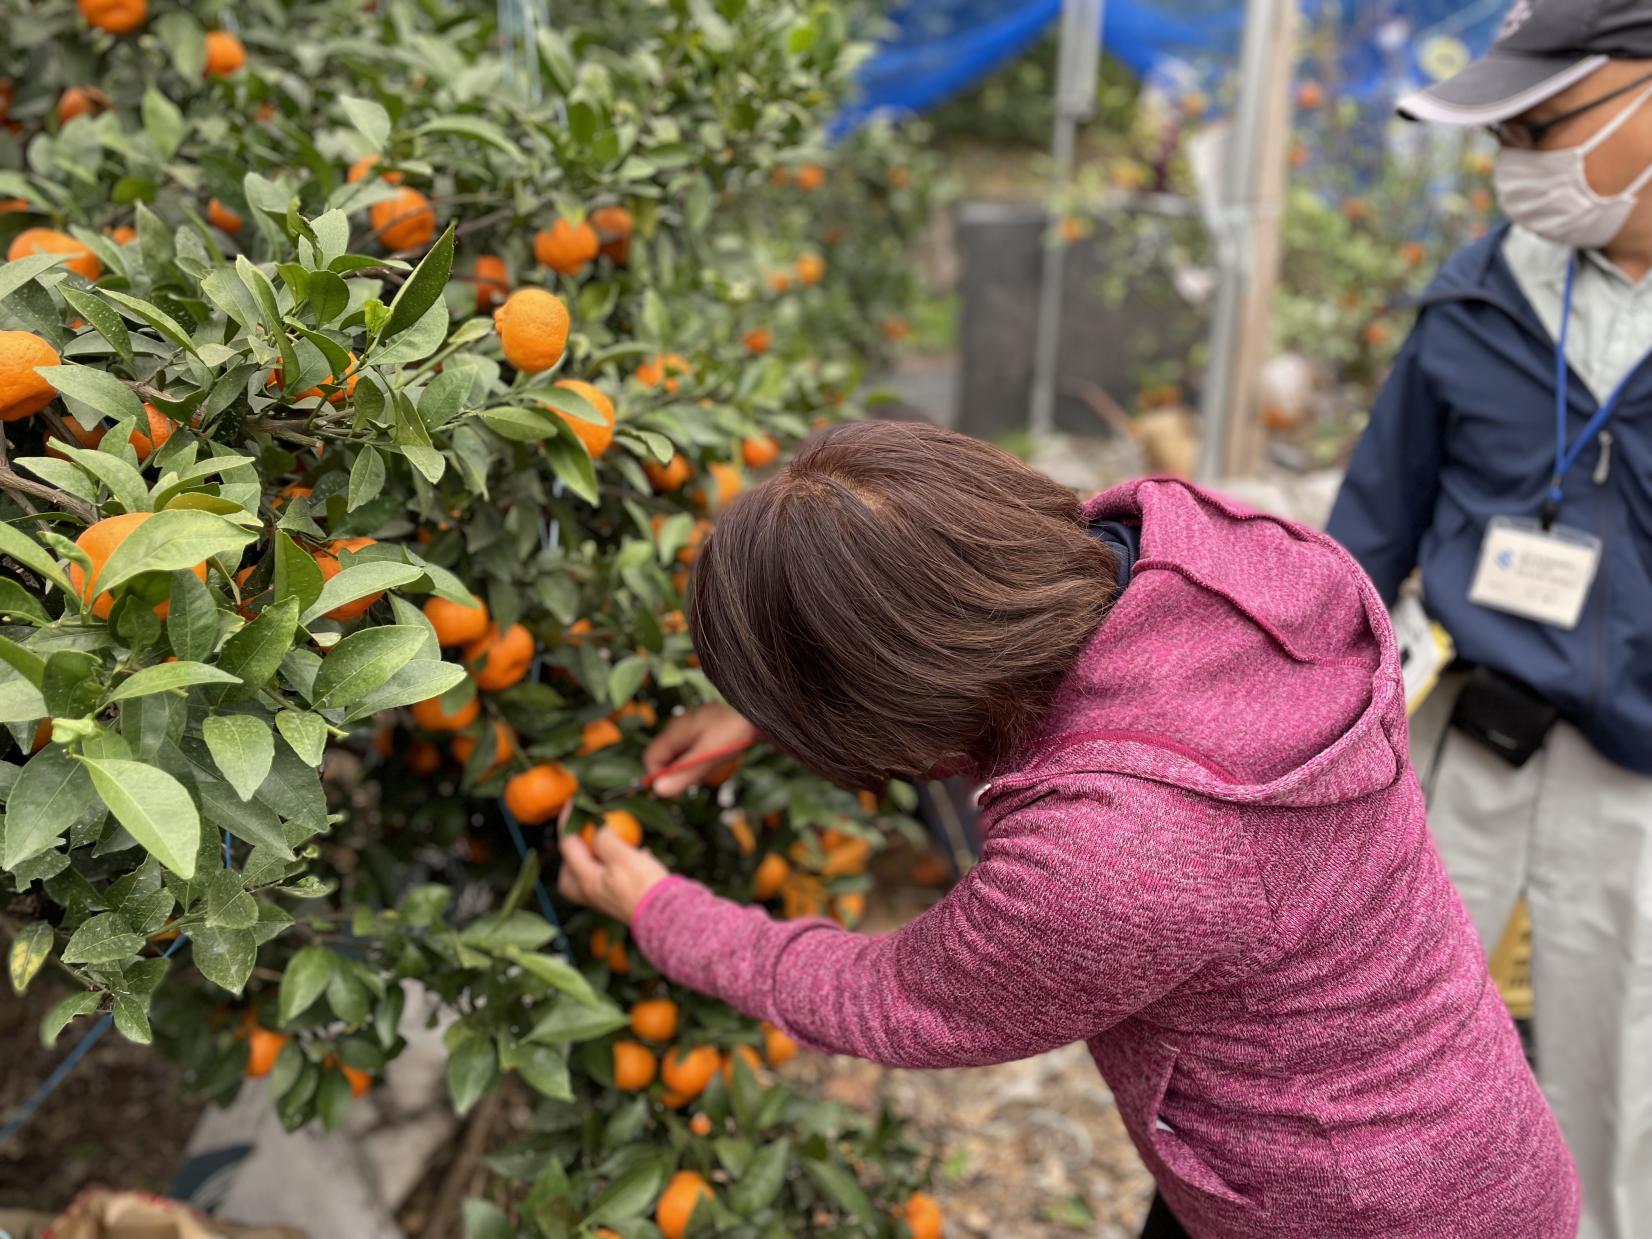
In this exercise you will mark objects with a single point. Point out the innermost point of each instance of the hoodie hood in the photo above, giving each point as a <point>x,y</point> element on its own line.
<point>1250,660</point>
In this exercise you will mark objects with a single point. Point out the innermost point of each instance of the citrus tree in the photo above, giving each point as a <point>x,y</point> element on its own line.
<point>366,394</point>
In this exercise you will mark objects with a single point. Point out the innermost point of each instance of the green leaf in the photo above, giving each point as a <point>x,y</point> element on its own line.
<point>57,1018</point>
<point>733,1154</point>
<point>485,1220</point>
<point>132,1019</point>
<point>366,478</point>
<point>365,661</point>
<point>625,678</point>
<point>263,295</point>
<point>423,288</point>
<point>762,1179</point>
<point>576,406</point>
<point>154,808</point>
<point>360,580</point>
<point>329,297</point>
<point>192,620</point>
<point>17,603</point>
<point>502,931</point>
<point>61,474</point>
<point>415,343</point>
<point>555,972</point>
<point>297,574</point>
<point>369,117</point>
<point>182,35</point>
<point>70,685</point>
<point>244,749</point>
<point>572,463</point>
<point>445,583</point>
<point>96,389</point>
<point>168,677</point>
<point>26,551</point>
<point>51,794</point>
<point>163,122</point>
<point>304,981</point>
<point>294,791</point>
<point>568,1021</point>
<point>332,229</point>
<point>559,60</point>
<point>170,491</point>
<point>306,733</point>
<point>626,1125</point>
<point>256,651</point>
<point>169,541</point>
<point>26,662</point>
<point>419,680</point>
<point>297,279</point>
<point>544,1069</point>
<point>520,424</point>
<point>102,940</point>
<point>252,822</point>
<point>149,312</point>
<point>471,1070</point>
<point>347,996</point>
<point>630,1195</point>
<point>224,956</point>
<point>441,401</point>
<point>229,906</point>
<point>16,274</point>
<point>108,324</point>
<point>124,482</point>
<point>20,702</point>
<point>34,310</point>
<point>29,952</point>
<point>338,357</point>
<point>479,130</point>
<point>839,1186</point>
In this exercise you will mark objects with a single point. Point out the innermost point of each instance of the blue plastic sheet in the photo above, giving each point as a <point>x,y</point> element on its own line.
<point>936,49</point>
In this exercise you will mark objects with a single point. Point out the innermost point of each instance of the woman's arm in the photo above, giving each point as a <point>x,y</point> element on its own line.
<point>1086,907</point>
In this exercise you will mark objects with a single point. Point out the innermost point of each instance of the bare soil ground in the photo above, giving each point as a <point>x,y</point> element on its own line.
<point>119,1119</point>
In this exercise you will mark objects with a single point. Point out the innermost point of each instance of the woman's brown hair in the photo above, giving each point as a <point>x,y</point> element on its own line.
<point>898,596</point>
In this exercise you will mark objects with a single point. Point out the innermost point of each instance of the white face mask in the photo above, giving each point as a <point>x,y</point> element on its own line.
<point>1549,193</point>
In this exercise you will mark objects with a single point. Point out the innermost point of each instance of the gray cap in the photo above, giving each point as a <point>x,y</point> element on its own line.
<point>1543,48</point>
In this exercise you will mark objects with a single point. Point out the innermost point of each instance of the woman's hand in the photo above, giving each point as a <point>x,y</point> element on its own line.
<point>613,877</point>
<point>705,729</point>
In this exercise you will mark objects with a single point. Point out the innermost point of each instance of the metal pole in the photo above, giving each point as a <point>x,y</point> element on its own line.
<point>1075,101</point>
<point>1260,68</point>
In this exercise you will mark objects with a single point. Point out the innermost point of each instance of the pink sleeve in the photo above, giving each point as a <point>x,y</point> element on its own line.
<point>1083,910</point>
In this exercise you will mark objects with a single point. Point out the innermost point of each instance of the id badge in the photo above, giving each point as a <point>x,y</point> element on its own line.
<point>1537,574</point>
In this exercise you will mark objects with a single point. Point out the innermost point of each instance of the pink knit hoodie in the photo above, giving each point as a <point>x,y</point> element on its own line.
<point>1213,867</point>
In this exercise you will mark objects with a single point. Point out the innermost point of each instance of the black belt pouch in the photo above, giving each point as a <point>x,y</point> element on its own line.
<point>1504,715</point>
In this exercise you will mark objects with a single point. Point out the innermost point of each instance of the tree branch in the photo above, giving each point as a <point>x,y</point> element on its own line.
<point>18,485</point>
<point>282,429</point>
<point>5,463</point>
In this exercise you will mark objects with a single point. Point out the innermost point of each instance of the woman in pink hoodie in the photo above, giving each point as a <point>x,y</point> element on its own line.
<point>1205,850</point>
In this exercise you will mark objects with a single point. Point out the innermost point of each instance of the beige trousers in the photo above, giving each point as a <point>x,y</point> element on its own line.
<point>1573,833</point>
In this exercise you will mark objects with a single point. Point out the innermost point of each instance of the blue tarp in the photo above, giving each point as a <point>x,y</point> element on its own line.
<point>936,49</point>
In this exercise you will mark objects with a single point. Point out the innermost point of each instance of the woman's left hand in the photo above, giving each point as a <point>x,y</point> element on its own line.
<point>613,877</point>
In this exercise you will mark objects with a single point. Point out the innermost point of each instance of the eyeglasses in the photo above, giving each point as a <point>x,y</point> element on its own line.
<point>1528,135</point>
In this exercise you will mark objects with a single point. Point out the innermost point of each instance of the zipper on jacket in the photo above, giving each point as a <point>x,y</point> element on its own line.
<point>1603,467</point>
<point>1599,668</point>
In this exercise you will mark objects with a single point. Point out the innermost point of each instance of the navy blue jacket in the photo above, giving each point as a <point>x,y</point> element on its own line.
<point>1465,431</point>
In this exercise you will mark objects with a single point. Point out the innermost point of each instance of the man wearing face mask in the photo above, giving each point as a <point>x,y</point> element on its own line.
<point>1510,458</point>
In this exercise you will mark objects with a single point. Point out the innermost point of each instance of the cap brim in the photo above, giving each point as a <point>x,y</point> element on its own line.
<point>1498,87</point>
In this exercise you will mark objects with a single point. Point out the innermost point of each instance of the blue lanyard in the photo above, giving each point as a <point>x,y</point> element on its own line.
<point>1565,457</point>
